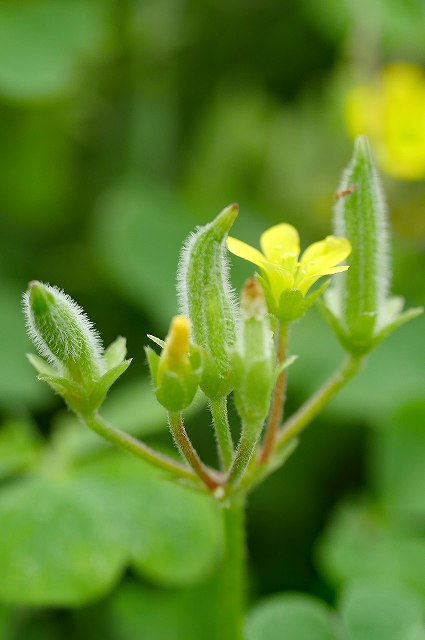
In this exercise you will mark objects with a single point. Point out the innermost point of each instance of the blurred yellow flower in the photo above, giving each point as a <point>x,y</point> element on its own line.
<point>391,112</point>
<point>280,263</point>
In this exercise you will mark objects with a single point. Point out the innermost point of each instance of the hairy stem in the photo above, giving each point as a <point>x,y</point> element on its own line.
<point>244,453</point>
<point>99,425</point>
<point>309,410</point>
<point>232,583</point>
<point>187,450</point>
<point>225,446</point>
<point>278,399</point>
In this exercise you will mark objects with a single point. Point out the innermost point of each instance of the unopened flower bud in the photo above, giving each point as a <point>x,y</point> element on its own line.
<point>176,372</point>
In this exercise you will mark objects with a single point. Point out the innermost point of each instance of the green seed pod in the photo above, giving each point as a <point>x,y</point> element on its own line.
<point>358,305</point>
<point>254,358</point>
<point>360,216</point>
<point>62,333</point>
<point>205,296</point>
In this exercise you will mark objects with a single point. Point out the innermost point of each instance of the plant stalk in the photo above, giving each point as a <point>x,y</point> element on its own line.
<point>278,399</point>
<point>233,578</point>
<point>244,453</point>
<point>223,435</point>
<point>309,410</point>
<point>99,425</point>
<point>188,452</point>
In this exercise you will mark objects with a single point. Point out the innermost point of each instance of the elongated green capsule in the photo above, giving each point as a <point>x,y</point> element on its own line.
<point>205,296</point>
<point>77,368</point>
<point>254,358</point>
<point>62,333</point>
<point>358,305</point>
<point>360,216</point>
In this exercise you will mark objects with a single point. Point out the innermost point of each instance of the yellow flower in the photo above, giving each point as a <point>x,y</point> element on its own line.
<point>280,263</point>
<point>390,110</point>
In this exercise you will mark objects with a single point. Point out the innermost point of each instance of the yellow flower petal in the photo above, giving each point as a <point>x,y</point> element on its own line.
<point>245,251</point>
<point>304,283</point>
<point>326,253</point>
<point>319,259</point>
<point>390,109</point>
<point>280,242</point>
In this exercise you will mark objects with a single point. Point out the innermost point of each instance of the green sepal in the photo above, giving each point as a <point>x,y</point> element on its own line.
<point>81,398</point>
<point>213,384</point>
<point>284,365</point>
<point>343,337</point>
<point>176,393</point>
<point>315,295</point>
<point>115,353</point>
<point>158,341</point>
<point>362,347</point>
<point>41,366</point>
<point>72,393</point>
<point>175,390</point>
<point>291,306</point>
<point>102,386</point>
<point>270,301</point>
<point>399,321</point>
<point>153,362</point>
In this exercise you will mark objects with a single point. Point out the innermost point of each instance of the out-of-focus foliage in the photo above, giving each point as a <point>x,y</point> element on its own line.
<point>123,125</point>
<point>68,532</point>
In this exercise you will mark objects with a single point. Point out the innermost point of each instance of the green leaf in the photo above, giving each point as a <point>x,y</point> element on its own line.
<point>172,535</point>
<point>382,612</point>
<point>67,536</point>
<point>362,542</point>
<point>137,611</point>
<point>42,44</point>
<point>292,617</point>
<point>56,544</point>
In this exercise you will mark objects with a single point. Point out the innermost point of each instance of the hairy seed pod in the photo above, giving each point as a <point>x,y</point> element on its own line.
<point>62,332</point>
<point>360,294</point>
<point>205,296</point>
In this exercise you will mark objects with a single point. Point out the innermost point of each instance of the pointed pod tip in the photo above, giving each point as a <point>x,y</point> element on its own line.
<point>361,145</point>
<point>33,284</point>
<point>226,218</point>
<point>39,297</point>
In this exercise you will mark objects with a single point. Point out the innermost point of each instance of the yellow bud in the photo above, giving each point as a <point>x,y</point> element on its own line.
<point>176,351</point>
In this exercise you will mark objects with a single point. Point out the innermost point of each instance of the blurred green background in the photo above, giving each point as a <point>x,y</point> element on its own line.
<point>123,125</point>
